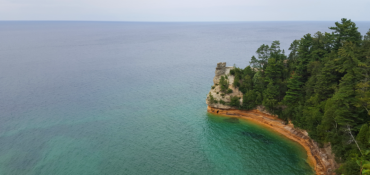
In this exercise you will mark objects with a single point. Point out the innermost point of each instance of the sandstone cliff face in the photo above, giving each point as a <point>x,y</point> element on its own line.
<point>222,70</point>
<point>322,159</point>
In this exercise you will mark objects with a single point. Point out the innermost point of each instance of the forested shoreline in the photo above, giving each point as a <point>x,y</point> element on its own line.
<point>322,86</point>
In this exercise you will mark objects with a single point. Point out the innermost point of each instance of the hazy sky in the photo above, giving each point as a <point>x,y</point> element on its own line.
<point>185,10</point>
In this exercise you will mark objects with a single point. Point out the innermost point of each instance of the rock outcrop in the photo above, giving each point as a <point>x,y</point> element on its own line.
<point>222,70</point>
<point>321,159</point>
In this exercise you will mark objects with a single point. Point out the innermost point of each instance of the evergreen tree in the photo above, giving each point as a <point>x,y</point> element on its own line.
<point>269,96</point>
<point>258,82</point>
<point>345,31</point>
<point>224,84</point>
<point>323,86</point>
<point>247,84</point>
<point>234,101</point>
<point>361,137</point>
<point>249,100</point>
<point>293,55</point>
<point>327,79</point>
<point>294,90</point>
<point>263,53</point>
<point>249,71</point>
<point>304,50</point>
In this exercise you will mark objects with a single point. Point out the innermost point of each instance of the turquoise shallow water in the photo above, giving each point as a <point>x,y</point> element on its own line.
<point>129,98</point>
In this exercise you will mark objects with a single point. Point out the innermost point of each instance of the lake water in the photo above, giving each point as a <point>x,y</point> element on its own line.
<point>129,98</point>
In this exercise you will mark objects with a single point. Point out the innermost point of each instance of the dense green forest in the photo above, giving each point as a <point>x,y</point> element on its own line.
<point>322,86</point>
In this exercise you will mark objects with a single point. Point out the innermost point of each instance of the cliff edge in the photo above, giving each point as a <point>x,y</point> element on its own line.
<point>217,94</point>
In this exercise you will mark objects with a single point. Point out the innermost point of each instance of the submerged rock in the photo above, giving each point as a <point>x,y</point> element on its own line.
<point>232,120</point>
<point>256,136</point>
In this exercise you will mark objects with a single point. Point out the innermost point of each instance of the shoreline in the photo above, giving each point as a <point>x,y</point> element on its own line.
<point>316,157</point>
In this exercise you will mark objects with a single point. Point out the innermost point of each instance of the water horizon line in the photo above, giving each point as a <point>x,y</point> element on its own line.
<point>167,21</point>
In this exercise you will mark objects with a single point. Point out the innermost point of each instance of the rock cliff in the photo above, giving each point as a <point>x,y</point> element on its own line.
<point>222,70</point>
<point>321,159</point>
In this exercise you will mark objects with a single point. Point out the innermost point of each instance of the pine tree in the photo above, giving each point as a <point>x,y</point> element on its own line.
<point>293,55</point>
<point>323,86</point>
<point>363,86</point>
<point>224,84</point>
<point>345,31</point>
<point>327,79</point>
<point>361,137</point>
<point>263,53</point>
<point>249,100</point>
<point>346,113</point>
<point>294,90</point>
<point>304,50</point>
<point>258,82</point>
<point>259,98</point>
<point>269,96</point>
<point>273,70</point>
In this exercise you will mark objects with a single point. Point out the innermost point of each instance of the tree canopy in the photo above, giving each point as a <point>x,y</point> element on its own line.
<point>322,86</point>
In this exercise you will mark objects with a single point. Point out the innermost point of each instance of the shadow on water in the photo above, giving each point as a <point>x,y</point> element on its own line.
<point>232,120</point>
<point>241,128</point>
<point>256,136</point>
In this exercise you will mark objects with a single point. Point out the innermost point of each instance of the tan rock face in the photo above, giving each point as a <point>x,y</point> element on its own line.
<point>222,70</point>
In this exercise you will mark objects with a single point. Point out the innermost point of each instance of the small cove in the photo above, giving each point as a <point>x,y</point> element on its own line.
<point>272,145</point>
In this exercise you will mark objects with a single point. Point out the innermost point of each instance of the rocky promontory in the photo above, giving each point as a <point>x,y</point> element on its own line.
<point>216,92</point>
<point>320,158</point>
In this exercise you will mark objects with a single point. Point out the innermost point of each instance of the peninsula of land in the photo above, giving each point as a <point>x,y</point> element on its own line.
<point>321,87</point>
<point>321,159</point>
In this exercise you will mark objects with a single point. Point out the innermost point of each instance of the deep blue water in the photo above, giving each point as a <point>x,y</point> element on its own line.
<point>129,98</point>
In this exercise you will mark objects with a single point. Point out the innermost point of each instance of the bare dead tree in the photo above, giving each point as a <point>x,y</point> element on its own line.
<point>352,139</point>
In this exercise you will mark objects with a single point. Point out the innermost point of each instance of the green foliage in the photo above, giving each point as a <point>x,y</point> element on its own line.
<point>322,86</point>
<point>259,98</point>
<point>258,82</point>
<point>236,82</point>
<point>350,167</point>
<point>270,96</point>
<point>212,100</point>
<point>224,84</point>
<point>362,91</point>
<point>294,92</point>
<point>362,137</point>
<point>263,55</point>
<point>232,72</point>
<point>250,71</point>
<point>249,100</point>
<point>364,161</point>
<point>229,91</point>
<point>234,101</point>
<point>345,31</point>
<point>305,54</point>
<point>293,55</point>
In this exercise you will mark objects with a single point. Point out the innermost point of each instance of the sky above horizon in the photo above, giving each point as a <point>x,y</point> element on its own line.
<point>185,10</point>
